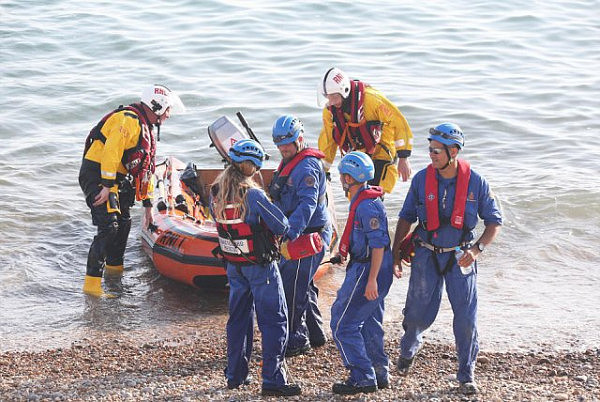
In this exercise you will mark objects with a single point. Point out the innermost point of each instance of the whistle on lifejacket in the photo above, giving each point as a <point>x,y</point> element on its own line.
<point>112,204</point>
<point>304,246</point>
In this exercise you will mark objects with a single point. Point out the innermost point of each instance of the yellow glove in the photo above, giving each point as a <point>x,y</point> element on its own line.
<point>284,250</point>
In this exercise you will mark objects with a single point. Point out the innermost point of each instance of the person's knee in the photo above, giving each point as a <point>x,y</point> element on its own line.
<point>466,326</point>
<point>414,318</point>
<point>113,229</point>
<point>343,328</point>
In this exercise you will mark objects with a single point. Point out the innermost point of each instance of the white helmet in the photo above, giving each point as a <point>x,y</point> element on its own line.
<point>336,81</point>
<point>159,98</point>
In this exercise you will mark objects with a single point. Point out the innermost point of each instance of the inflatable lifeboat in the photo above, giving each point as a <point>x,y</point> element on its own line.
<point>181,241</point>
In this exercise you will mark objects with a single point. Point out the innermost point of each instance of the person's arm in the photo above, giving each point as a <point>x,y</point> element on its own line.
<point>404,168</point>
<point>119,130</point>
<point>396,130</point>
<point>148,220</point>
<point>102,196</point>
<point>487,237</point>
<point>116,130</point>
<point>326,143</point>
<point>273,217</point>
<point>147,196</point>
<point>488,210</point>
<point>307,190</point>
<point>371,291</point>
<point>402,229</point>
<point>374,223</point>
<point>406,217</point>
<point>403,140</point>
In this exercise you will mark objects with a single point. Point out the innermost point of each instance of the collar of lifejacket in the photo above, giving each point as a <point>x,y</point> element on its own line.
<point>286,167</point>
<point>460,197</point>
<point>139,107</point>
<point>369,192</point>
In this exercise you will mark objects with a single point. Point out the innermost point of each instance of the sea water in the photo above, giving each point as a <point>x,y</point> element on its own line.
<point>521,79</point>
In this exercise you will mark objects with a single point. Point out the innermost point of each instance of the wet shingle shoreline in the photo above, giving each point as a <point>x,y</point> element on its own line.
<point>190,367</point>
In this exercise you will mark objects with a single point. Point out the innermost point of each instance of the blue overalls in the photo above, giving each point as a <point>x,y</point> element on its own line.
<point>302,198</point>
<point>426,281</point>
<point>257,287</point>
<point>356,322</point>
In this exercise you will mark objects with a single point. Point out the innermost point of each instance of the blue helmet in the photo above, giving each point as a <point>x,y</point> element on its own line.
<point>247,150</point>
<point>358,165</point>
<point>447,134</point>
<point>287,129</point>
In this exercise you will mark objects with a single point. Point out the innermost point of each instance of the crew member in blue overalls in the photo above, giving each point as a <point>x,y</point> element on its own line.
<point>247,223</point>
<point>357,313</point>
<point>445,198</point>
<point>298,189</point>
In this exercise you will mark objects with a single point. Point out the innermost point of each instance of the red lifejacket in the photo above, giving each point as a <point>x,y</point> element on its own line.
<point>141,160</point>
<point>138,161</point>
<point>369,193</point>
<point>358,133</point>
<point>460,197</point>
<point>236,238</point>
<point>282,173</point>
<point>305,153</point>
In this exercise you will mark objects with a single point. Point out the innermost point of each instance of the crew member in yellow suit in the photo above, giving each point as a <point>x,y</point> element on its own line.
<point>357,117</point>
<point>116,169</point>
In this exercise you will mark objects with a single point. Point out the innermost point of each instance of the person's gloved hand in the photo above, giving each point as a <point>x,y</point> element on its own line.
<point>283,250</point>
<point>148,218</point>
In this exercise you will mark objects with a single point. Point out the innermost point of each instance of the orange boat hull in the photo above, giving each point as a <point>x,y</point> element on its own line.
<point>181,244</point>
<point>182,241</point>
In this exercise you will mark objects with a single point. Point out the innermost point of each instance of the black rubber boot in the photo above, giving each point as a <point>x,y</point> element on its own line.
<point>345,388</point>
<point>404,364</point>
<point>284,390</point>
<point>297,351</point>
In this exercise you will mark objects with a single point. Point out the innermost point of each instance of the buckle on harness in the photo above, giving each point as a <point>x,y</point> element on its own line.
<point>435,249</point>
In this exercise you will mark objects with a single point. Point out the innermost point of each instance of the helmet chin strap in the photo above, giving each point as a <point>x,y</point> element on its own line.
<point>158,130</point>
<point>300,146</point>
<point>347,186</point>
<point>450,160</point>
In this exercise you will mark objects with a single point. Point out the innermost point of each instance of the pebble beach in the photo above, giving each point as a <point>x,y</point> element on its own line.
<point>187,365</point>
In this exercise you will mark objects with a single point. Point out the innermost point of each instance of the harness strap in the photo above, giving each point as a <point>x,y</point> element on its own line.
<point>438,250</point>
<point>343,139</point>
<point>239,249</point>
<point>452,258</point>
